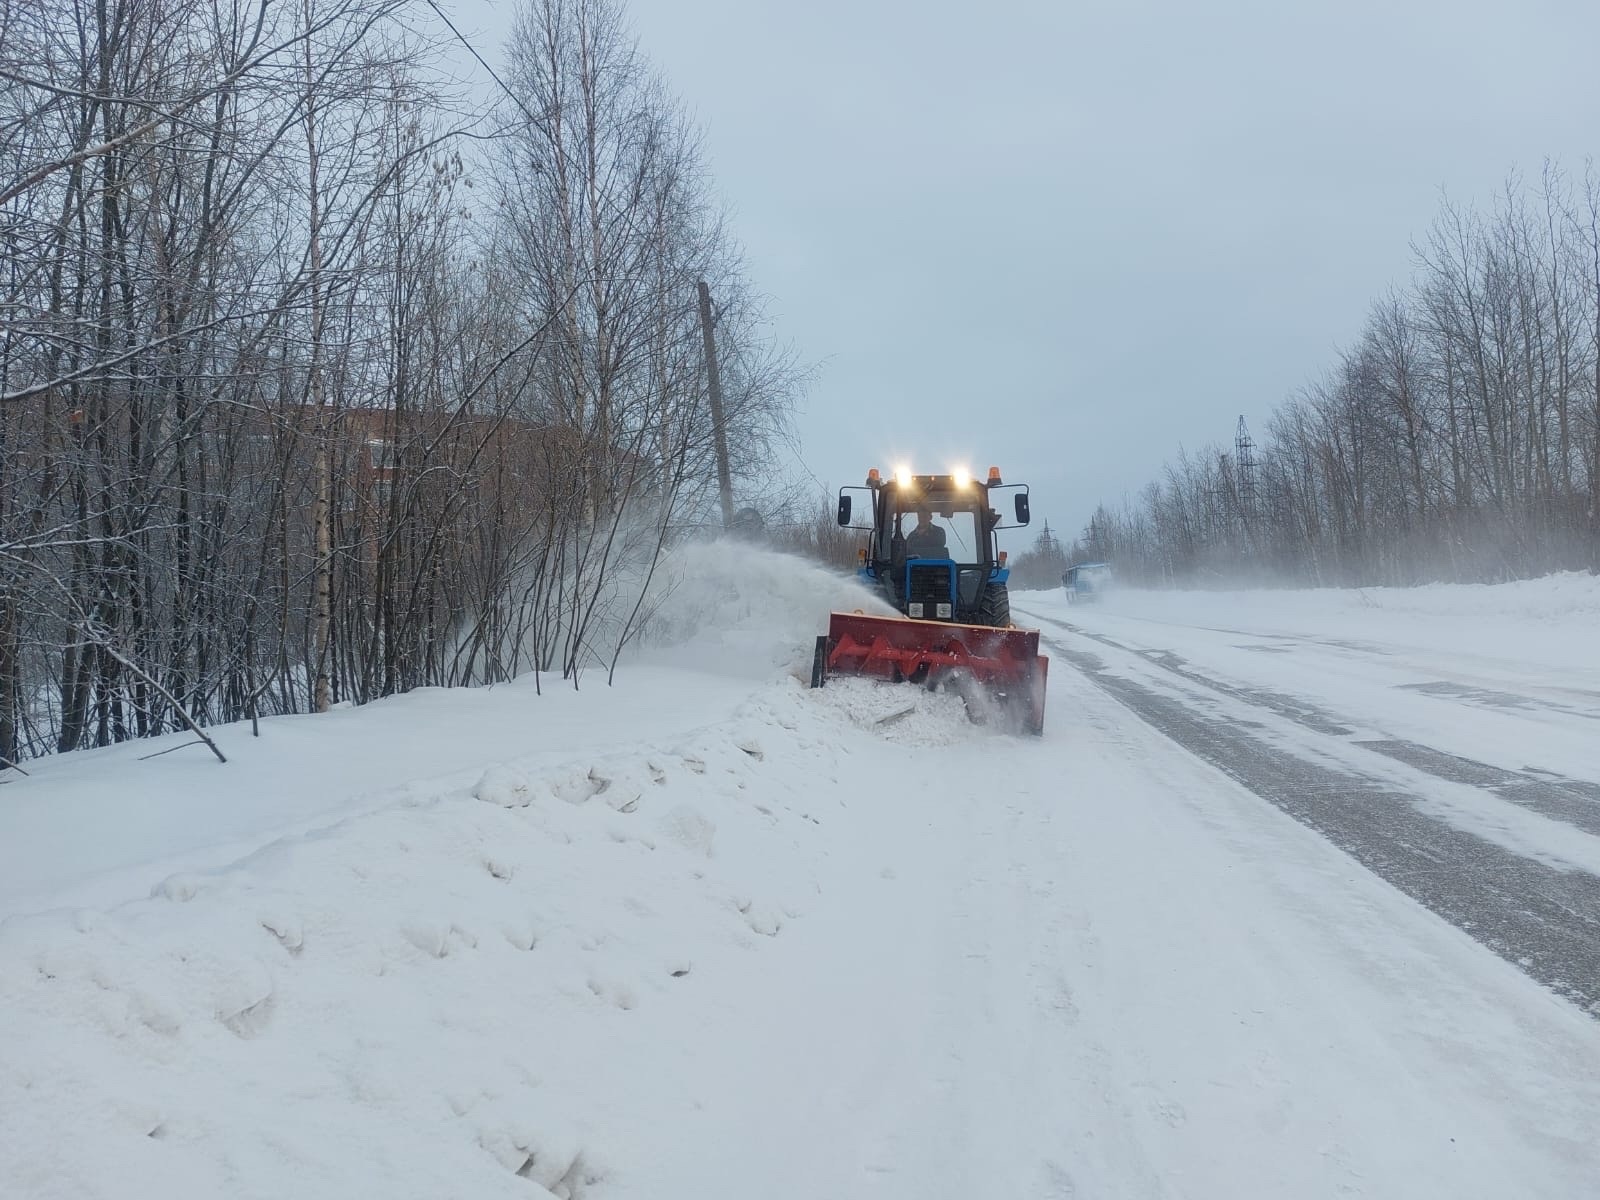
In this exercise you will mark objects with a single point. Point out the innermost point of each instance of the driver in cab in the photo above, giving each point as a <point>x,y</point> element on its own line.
<point>927,539</point>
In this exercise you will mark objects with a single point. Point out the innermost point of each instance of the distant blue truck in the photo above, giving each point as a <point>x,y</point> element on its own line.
<point>1086,582</point>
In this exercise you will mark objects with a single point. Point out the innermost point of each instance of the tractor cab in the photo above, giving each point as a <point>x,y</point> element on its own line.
<point>931,547</point>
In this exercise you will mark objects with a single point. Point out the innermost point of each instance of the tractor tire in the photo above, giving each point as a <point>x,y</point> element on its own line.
<point>994,606</point>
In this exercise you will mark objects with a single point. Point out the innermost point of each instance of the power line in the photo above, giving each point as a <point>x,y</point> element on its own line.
<point>515,99</point>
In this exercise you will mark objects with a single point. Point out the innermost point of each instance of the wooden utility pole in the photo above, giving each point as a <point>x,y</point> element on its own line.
<point>322,463</point>
<point>718,429</point>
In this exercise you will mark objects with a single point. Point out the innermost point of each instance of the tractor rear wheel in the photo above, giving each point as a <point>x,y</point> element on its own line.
<point>994,606</point>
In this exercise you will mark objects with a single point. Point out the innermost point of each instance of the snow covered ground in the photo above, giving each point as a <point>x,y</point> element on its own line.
<point>709,933</point>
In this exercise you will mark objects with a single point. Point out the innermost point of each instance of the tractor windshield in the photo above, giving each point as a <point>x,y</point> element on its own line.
<point>939,526</point>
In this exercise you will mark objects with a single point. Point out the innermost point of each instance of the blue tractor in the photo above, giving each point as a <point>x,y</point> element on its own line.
<point>931,554</point>
<point>931,551</point>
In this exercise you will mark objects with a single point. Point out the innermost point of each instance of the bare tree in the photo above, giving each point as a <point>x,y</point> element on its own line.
<point>1449,442</point>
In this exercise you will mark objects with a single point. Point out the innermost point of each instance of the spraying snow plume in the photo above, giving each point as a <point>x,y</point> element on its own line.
<point>735,608</point>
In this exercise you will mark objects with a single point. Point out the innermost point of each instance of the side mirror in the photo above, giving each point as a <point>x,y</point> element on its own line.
<point>1018,506</point>
<point>847,512</point>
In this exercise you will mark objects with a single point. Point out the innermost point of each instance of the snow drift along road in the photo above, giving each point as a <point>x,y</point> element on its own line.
<point>101,826</point>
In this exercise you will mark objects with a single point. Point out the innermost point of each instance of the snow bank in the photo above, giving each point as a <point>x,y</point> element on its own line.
<point>99,827</point>
<point>475,990</point>
<point>454,943</point>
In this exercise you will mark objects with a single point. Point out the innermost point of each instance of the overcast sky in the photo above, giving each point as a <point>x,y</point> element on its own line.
<point>1065,238</point>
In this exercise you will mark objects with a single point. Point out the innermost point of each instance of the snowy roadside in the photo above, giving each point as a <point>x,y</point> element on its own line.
<point>802,952</point>
<point>99,827</point>
<point>1483,702</point>
<point>464,991</point>
<point>722,936</point>
<point>376,1008</point>
<point>102,826</point>
<point>1544,623</point>
<point>1506,675</point>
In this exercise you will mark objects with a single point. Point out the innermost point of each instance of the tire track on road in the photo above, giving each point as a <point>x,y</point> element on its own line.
<point>1574,802</point>
<point>1543,920</point>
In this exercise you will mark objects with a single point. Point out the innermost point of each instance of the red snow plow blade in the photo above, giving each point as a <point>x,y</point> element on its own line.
<point>1005,664</point>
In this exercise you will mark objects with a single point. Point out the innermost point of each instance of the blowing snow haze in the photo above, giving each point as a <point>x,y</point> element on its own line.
<point>1068,238</point>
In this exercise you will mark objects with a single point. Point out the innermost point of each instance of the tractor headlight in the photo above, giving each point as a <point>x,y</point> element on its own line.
<point>914,610</point>
<point>961,477</point>
<point>943,610</point>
